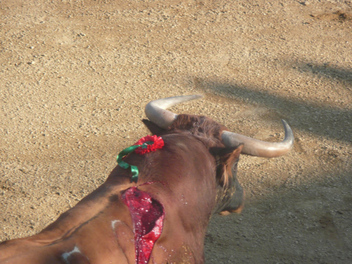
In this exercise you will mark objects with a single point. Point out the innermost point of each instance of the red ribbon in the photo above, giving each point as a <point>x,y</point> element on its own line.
<point>149,144</point>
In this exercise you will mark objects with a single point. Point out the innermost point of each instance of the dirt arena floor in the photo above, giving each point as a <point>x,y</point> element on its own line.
<point>76,75</point>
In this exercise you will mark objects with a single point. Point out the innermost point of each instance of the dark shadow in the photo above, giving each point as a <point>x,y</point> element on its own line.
<point>308,223</point>
<point>154,129</point>
<point>325,70</point>
<point>324,120</point>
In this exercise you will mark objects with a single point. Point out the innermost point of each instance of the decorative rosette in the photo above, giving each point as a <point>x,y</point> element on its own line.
<point>144,145</point>
<point>149,144</point>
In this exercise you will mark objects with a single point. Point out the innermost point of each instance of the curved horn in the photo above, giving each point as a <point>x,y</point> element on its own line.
<point>260,148</point>
<point>157,113</point>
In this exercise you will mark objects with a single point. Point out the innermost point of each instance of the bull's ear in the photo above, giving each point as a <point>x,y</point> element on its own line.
<point>228,166</point>
<point>153,128</point>
<point>230,197</point>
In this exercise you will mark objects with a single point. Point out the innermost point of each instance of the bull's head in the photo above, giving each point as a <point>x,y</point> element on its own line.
<point>223,144</point>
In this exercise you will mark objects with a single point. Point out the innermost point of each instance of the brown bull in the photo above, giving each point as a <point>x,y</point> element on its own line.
<point>163,217</point>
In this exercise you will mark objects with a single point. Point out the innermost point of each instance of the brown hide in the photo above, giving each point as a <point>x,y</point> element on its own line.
<point>181,176</point>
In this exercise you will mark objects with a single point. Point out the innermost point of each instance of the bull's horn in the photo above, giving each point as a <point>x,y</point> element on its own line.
<point>260,148</point>
<point>157,113</point>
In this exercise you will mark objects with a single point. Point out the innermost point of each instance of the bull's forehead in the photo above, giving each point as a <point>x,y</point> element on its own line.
<point>185,140</point>
<point>198,125</point>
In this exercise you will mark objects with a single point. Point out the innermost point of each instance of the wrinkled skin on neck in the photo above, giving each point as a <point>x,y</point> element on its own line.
<point>191,177</point>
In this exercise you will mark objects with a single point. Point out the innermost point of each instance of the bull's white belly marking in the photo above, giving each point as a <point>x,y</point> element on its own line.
<point>66,255</point>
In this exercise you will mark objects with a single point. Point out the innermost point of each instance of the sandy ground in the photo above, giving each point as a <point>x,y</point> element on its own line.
<point>76,75</point>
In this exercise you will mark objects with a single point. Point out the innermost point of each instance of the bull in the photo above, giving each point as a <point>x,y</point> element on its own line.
<point>162,216</point>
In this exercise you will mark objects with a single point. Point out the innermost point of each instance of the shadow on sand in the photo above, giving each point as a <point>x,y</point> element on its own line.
<point>326,71</point>
<point>324,120</point>
<point>306,224</point>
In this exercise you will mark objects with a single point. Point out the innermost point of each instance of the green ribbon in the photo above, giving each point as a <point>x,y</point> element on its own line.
<point>125,165</point>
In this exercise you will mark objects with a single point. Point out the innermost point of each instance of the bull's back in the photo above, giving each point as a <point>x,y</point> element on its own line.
<point>106,237</point>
